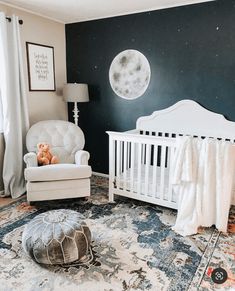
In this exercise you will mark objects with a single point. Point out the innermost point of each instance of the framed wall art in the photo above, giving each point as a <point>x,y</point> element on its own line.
<point>41,67</point>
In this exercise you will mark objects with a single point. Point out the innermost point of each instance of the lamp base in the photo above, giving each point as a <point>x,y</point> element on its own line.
<point>75,113</point>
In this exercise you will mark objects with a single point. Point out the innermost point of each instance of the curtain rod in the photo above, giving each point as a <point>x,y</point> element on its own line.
<point>9,19</point>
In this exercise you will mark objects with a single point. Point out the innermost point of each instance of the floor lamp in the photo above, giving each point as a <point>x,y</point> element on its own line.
<point>74,92</point>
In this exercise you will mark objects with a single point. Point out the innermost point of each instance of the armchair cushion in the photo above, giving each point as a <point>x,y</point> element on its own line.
<point>57,172</point>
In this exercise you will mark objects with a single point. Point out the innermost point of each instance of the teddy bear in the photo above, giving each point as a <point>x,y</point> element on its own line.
<point>44,155</point>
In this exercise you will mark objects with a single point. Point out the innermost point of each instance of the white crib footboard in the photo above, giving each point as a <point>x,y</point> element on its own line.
<point>140,167</point>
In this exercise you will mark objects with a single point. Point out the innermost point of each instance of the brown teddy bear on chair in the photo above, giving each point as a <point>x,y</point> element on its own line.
<point>44,155</point>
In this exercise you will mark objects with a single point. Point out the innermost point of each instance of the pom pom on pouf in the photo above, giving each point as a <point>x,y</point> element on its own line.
<point>57,237</point>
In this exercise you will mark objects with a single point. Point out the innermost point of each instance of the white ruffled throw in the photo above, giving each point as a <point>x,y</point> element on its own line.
<point>203,179</point>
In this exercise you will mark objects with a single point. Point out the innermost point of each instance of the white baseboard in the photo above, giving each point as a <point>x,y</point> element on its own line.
<point>100,174</point>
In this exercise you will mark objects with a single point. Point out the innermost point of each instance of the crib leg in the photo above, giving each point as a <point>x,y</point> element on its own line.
<point>111,196</point>
<point>111,186</point>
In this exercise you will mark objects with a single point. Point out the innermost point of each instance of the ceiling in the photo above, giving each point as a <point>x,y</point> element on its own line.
<point>69,11</point>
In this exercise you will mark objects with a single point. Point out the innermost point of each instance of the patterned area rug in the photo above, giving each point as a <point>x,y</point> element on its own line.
<point>133,248</point>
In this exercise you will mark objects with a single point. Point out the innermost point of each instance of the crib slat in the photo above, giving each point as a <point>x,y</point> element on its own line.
<point>147,165</point>
<point>169,170</point>
<point>128,155</point>
<point>125,165</point>
<point>139,169</point>
<point>154,181</point>
<point>170,190</point>
<point>118,164</point>
<point>132,166</point>
<point>143,153</point>
<point>166,182</point>
<point>162,181</point>
<point>121,156</point>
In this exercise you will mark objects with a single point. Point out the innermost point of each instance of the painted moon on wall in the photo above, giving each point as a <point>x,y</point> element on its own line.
<point>129,74</point>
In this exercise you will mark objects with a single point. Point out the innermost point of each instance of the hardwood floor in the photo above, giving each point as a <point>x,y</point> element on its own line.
<point>7,200</point>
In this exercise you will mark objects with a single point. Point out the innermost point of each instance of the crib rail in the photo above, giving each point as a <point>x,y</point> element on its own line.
<point>140,167</point>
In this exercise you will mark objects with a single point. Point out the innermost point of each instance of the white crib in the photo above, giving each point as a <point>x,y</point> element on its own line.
<point>140,160</point>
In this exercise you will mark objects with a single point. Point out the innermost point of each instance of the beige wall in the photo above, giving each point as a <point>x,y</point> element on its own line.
<point>42,105</point>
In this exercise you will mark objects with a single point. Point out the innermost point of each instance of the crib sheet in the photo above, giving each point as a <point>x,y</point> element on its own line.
<point>120,182</point>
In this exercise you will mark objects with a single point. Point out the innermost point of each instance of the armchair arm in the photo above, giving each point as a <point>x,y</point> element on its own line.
<point>82,157</point>
<point>31,160</point>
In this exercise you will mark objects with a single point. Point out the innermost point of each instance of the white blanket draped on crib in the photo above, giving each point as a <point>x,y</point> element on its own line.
<point>202,179</point>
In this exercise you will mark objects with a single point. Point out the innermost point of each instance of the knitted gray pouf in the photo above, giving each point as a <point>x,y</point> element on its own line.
<point>57,237</point>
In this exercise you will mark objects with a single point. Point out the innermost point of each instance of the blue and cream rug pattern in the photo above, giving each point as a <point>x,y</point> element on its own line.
<point>133,248</point>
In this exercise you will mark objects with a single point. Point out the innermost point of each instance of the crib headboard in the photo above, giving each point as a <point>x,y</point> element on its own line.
<point>188,117</point>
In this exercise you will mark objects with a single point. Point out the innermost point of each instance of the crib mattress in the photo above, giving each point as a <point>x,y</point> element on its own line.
<point>123,181</point>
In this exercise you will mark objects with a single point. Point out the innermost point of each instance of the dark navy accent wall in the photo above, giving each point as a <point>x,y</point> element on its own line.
<point>191,51</point>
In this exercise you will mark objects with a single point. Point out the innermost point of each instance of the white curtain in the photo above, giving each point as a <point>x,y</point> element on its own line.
<point>14,106</point>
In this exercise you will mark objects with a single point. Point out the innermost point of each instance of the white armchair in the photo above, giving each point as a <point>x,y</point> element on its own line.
<point>68,179</point>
